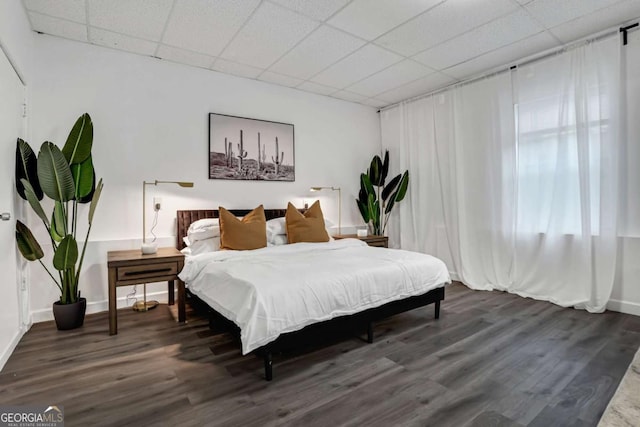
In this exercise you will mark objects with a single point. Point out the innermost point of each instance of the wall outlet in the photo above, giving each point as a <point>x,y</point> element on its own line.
<point>157,203</point>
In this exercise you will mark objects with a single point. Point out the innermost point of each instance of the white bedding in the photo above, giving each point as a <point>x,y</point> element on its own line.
<point>279,289</point>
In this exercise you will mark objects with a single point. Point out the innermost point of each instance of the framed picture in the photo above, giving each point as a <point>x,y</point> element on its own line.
<point>250,149</point>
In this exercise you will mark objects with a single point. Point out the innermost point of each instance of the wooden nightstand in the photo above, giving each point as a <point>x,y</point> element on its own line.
<point>379,241</point>
<point>132,268</point>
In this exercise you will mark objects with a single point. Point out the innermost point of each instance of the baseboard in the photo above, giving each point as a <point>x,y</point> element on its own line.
<point>12,346</point>
<point>624,307</point>
<point>100,306</point>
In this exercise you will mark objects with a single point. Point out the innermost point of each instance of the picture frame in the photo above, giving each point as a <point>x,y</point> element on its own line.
<point>247,149</point>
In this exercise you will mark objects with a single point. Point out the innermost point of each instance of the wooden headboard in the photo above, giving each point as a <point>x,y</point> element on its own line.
<point>185,218</point>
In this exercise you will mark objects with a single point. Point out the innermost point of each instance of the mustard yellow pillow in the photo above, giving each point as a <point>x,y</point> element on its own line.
<point>245,234</point>
<point>306,228</point>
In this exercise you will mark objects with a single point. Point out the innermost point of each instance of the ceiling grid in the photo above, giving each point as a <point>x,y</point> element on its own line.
<point>373,52</point>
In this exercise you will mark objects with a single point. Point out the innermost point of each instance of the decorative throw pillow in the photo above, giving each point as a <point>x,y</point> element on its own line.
<point>308,227</point>
<point>248,233</point>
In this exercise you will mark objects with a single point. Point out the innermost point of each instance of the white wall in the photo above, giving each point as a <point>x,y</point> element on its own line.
<point>16,44</point>
<point>150,119</point>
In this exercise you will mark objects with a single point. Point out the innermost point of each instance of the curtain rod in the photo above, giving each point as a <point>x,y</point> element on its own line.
<point>524,61</point>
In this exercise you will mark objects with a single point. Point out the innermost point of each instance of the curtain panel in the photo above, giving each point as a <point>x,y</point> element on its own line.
<point>515,177</point>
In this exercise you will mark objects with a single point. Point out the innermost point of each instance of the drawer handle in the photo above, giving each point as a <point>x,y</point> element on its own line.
<point>137,273</point>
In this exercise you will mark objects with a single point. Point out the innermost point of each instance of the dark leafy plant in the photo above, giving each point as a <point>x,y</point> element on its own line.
<point>67,177</point>
<point>375,199</point>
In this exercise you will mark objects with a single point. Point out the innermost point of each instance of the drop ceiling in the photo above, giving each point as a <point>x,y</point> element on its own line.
<point>373,52</point>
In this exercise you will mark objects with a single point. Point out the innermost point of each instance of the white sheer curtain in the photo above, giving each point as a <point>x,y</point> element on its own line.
<point>514,178</point>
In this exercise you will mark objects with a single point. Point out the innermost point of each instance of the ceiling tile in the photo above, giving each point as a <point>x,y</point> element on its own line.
<point>322,48</point>
<point>598,21</point>
<point>374,102</point>
<point>316,88</point>
<point>348,96</point>
<point>72,10</point>
<point>389,78</point>
<point>360,64</point>
<point>320,10</point>
<point>447,20</point>
<point>371,18</point>
<point>505,56</point>
<point>234,68</point>
<point>553,12</point>
<point>58,27</point>
<point>279,79</point>
<point>269,33</point>
<point>137,18</point>
<point>182,56</point>
<point>421,86</point>
<point>121,42</point>
<point>501,32</point>
<point>206,26</point>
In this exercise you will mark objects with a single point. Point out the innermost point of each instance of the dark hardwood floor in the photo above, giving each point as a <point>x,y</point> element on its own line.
<point>493,359</point>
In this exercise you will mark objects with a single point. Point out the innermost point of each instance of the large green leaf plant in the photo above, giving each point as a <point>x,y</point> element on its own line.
<point>68,178</point>
<point>377,197</point>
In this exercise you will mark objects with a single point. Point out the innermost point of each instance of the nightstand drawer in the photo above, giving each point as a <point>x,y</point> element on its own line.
<point>147,271</point>
<point>371,240</point>
<point>380,243</point>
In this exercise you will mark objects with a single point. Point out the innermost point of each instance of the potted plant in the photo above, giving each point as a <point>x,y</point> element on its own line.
<point>68,178</point>
<point>376,199</point>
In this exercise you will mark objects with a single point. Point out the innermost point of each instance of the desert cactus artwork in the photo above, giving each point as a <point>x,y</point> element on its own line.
<point>228,153</point>
<point>248,152</point>
<point>260,154</point>
<point>242,154</point>
<point>277,161</point>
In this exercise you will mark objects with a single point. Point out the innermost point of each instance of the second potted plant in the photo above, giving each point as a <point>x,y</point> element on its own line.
<point>377,196</point>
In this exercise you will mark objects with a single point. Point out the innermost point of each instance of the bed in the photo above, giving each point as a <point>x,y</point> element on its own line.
<point>267,295</point>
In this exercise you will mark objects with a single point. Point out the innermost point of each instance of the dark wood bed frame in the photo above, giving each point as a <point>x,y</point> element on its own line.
<point>363,318</point>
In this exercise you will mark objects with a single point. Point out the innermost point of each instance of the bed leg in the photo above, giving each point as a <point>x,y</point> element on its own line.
<point>370,332</point>
<point>438,309</point>
<point>268,366</point>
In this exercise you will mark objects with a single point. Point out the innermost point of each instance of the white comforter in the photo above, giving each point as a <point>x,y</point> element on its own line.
<point>279,289</point>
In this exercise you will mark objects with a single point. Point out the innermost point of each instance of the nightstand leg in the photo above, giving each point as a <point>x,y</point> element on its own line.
<point>171,292</point>
<point>268,365</point>
<point>182,316</point>
<point>113,313</point>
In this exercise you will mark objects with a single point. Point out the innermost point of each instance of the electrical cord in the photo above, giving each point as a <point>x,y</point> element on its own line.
<point>155,222</point>
<point>132,296</point>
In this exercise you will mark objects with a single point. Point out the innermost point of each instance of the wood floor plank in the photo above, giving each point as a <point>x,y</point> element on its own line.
<point>491,359</point>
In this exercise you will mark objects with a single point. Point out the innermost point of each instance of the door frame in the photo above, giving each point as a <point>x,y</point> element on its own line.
<point>22,266</point>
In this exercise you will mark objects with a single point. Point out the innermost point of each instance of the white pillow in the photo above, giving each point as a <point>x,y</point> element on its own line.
<point>277,226</point>
<point>277,240</point>
<point>204,223</point>
<point>203,229</point>
<point>203,234</point>
<point>203,246</point>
